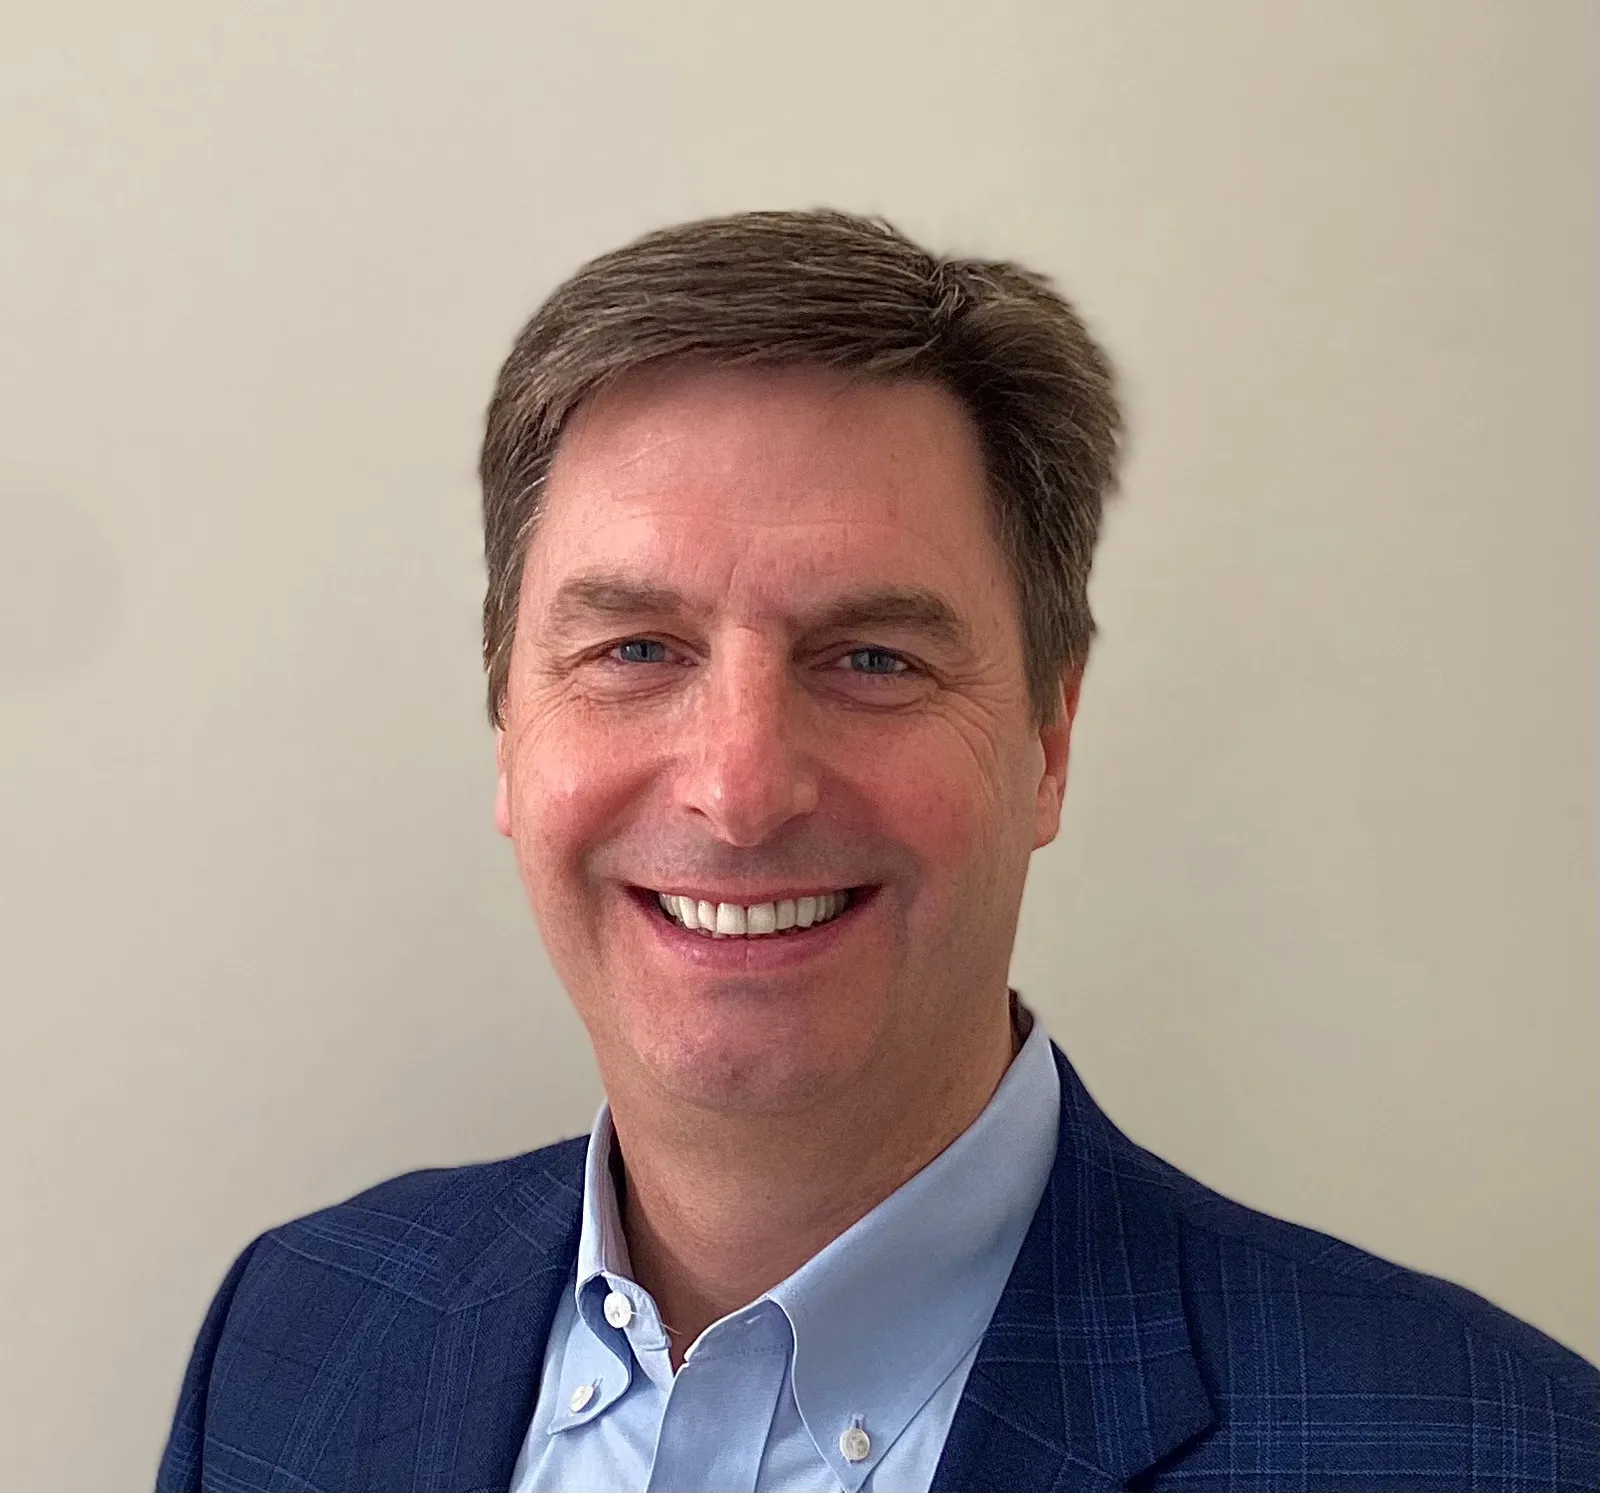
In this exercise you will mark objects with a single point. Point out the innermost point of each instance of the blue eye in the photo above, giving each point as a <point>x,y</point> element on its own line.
<point>641,651</point>
<point>875,661</point>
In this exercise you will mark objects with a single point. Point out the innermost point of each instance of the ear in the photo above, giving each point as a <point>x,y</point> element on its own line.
<point>502,795</point>
<point>1055,741</point>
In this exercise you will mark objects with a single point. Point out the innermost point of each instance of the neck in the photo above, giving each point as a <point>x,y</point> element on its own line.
<point>718,1209</point>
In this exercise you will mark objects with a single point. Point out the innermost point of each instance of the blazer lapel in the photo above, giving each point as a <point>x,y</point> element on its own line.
<point>487,1354</point>
<point>1085,1376</point>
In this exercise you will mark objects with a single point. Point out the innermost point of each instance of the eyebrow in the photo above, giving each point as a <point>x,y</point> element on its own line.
<point>911,607</point>
<point>584,598</point>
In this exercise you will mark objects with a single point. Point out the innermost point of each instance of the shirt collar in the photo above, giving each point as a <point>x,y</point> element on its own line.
<point>602,1246</point>
<point>883,1314</point>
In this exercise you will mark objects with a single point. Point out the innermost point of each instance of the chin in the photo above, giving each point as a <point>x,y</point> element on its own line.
<point>727,1067</point>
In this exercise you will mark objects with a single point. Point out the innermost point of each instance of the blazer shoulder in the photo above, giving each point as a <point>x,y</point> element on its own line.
<point>1373,1370</point>
<point>436,1233</point>
<point>439,1195</point>
<point>1230,1247</point>
<point>327,1322</point>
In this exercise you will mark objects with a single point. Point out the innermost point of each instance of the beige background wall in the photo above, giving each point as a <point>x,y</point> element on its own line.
<point>1320,927</point>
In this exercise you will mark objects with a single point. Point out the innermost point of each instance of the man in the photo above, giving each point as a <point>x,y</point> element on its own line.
<point>788,529</point>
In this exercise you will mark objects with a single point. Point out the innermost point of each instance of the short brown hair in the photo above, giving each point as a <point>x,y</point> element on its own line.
<point>769,289</point>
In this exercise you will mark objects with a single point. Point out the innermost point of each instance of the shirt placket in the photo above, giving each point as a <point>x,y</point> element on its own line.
<point>718,1415</point>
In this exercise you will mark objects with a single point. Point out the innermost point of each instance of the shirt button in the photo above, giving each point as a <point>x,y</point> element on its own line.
<point>580,1397</point>
<point>618,1310</point>
<point>855,1444</point>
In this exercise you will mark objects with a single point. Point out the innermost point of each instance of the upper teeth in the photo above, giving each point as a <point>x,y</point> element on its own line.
<point>736,920</point>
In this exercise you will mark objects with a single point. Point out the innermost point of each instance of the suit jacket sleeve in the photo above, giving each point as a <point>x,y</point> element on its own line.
<point>181,1462</point>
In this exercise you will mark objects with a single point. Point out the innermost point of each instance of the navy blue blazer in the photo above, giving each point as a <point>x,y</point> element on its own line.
<point>1152,1335</point>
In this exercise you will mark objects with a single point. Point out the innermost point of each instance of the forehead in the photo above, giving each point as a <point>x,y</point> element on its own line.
<point>771,487</point>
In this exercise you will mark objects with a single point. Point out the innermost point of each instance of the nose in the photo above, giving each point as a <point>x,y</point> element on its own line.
<point>746,769</point>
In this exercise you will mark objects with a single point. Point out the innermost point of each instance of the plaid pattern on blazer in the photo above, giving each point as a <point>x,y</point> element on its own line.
<point>1152,1335</point>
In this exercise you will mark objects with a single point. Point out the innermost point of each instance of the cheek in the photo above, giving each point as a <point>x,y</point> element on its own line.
<point>943,802</point>
<point>569,787</point>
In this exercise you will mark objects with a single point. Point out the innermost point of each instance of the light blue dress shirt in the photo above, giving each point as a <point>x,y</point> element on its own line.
<point>845,1376</point>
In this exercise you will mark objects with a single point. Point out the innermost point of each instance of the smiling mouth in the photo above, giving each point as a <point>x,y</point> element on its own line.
<point>753,919</point>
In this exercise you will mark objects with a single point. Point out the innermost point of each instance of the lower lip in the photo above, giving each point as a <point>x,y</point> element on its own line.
<point>768,951</point>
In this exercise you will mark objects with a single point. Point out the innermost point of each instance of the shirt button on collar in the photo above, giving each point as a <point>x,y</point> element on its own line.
<point>855,1444</point>
<point>580,1397</point>
<point>618,1310</point>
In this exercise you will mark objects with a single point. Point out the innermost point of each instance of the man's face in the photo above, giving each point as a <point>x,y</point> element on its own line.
<point>768,656</point>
